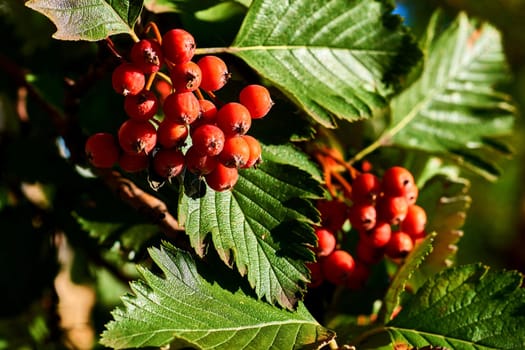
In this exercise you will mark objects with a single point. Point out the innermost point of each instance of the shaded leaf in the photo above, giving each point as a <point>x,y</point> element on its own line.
<point>182,308</point>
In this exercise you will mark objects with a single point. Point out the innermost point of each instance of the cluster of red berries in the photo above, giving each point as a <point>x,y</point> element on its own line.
<point>219,142</point>
<point>386,217</point>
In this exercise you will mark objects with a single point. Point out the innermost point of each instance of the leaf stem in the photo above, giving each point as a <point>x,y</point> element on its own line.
<point>214,50</point>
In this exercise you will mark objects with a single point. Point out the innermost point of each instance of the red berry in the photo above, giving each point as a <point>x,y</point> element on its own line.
<point>142,106</point>
<point>378,236</point>
<point>235,153</point>
<point>255,151</point>
<point>200,164</point>
<point>208,111</point>
<point>316,275</point>
<point>365,188</point>
<point>133,163</point>
<point>234,119</point>
<point>257,99</point>
<point>362,216</point>
<point>358,277</point>
<point>186,77</point>
<point>146,55</point>
<point>208,139</point>
<point>163,89</point>
<point>214,73</point>
<point>337,267</point>
<point>414,222</point>
<point>222,178</point>
<point>411,194</point>
<point>392,209</point>
<point>326,242</point>
<point>396,181</point>
<point>137,136</point>
<point>127,79</point>
<point>102,150</point>
<point>181,107</point>
<point>171,134</point>
<point>168,162</point>
<point>367,253</point>
<point>178,46</point>
<point>333,213</point>
<point>399,246</point>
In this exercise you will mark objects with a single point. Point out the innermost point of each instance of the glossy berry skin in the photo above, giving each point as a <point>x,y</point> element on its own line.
<point>208,111</point>
<point>127,79</point>
<point>414,222</point>
<point>378,236</point>
<point>399,246</point>
<point>396,181</point>
<point>326,242</point>
<point>366,187</point>
<point>316,275</point>
<point>337,267</point>
<point>208,140</point>
<point>257,100</point>
<point>186,77</point>
<point>168,162</point>
<point>137,137</point>
<point>255,151</point>
<point>178,45</point>
<point>133,163</point>
<point>142,106</point>
<point>102,150</point>
<point>182,108</point>
<point>146,55</point>
<point>333,213</point>
<point>235,153</point>
<point>392,209</point>
<point>362,216</point>
<point>234,119</point>
<point>171,134</point>
<point>200,164</point>
<point>222,178</point>
<point>214,73</point>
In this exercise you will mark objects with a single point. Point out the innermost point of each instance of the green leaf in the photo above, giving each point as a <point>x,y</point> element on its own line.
<point>190,6</point>
<point>183,308</point>
<point>263,227</point>
<point>332,58</point>
<point>90,20</point>
<point>455,108</point>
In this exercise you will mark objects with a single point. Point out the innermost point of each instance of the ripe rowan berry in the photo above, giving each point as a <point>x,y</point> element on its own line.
<point>337,267</point>
<point>146,55</point>
<point>181,107</point>
<point>414,222</point>
<point>198,163</point>
<point>136,136</point>
<point>234,119</point>
<point>102,150</point>
<point>208,111</point>
<point>366,187</point>
<point>208,139</point>
<point>127,79</point>
<point>399,246</point>
<point>256,98</point>
<point>378,236</point>
<point>178,46</point>
<point>358,277</point>
<point>186,77</point>
<point>222,178</point>
<point>362,216</point>
<point>133,163</point>
<point>142,106</point>
<point>396,181</point>
<point>235,153</point>
<point>326,242</point>
<point>163,89</point>
<point>392,209</point>
<point>214,73</point>
<point>171,134</point>
<point>333,213</point>
<point>168,162</point>
<point>316,276</point>
<point>255,151</point>
<point>367,253</point>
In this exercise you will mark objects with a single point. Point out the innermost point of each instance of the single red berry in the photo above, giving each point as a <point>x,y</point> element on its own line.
<point>378,236</point>
<point>127,79</point>
<point>358,278</point>
<point>208,111</point>
<point>178,46</point>
<point>214,73</point>
<point>222,178</point>
<point>257,99</point>
<point>414,222</point>
<point>146,54</point>
<point>171,134</point>
<point>102,150</point>
<point>326,242</point>
<point>137,136</point>
<point>316,275</point>
<point>142,106</point>
<point>333,213</point>
<point>362,216</point>
<point>200,164</point>
<point>365,188</point>
<point>337,267</point>
<point>234,119</point>
<point>168,162</point>
<point>411,194</point>
<point>133,163</point>
<point>396,181</point>
<point>163,89</point>
<point>392,209</point>
<point>186,77</point>
<point>235,153</point>
<point>181,107</point>
<point>255,151</point>
<point>367,253</point>
<point>208,139</point>
<point>399,246</point>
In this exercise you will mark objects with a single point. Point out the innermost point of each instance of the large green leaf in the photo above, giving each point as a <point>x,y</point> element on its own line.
<point>333,58</point>
<point>90,20</point>
<point>262,227</point>
<point>455,108</point>
<point>464,308</point>
<point>184,309</point>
